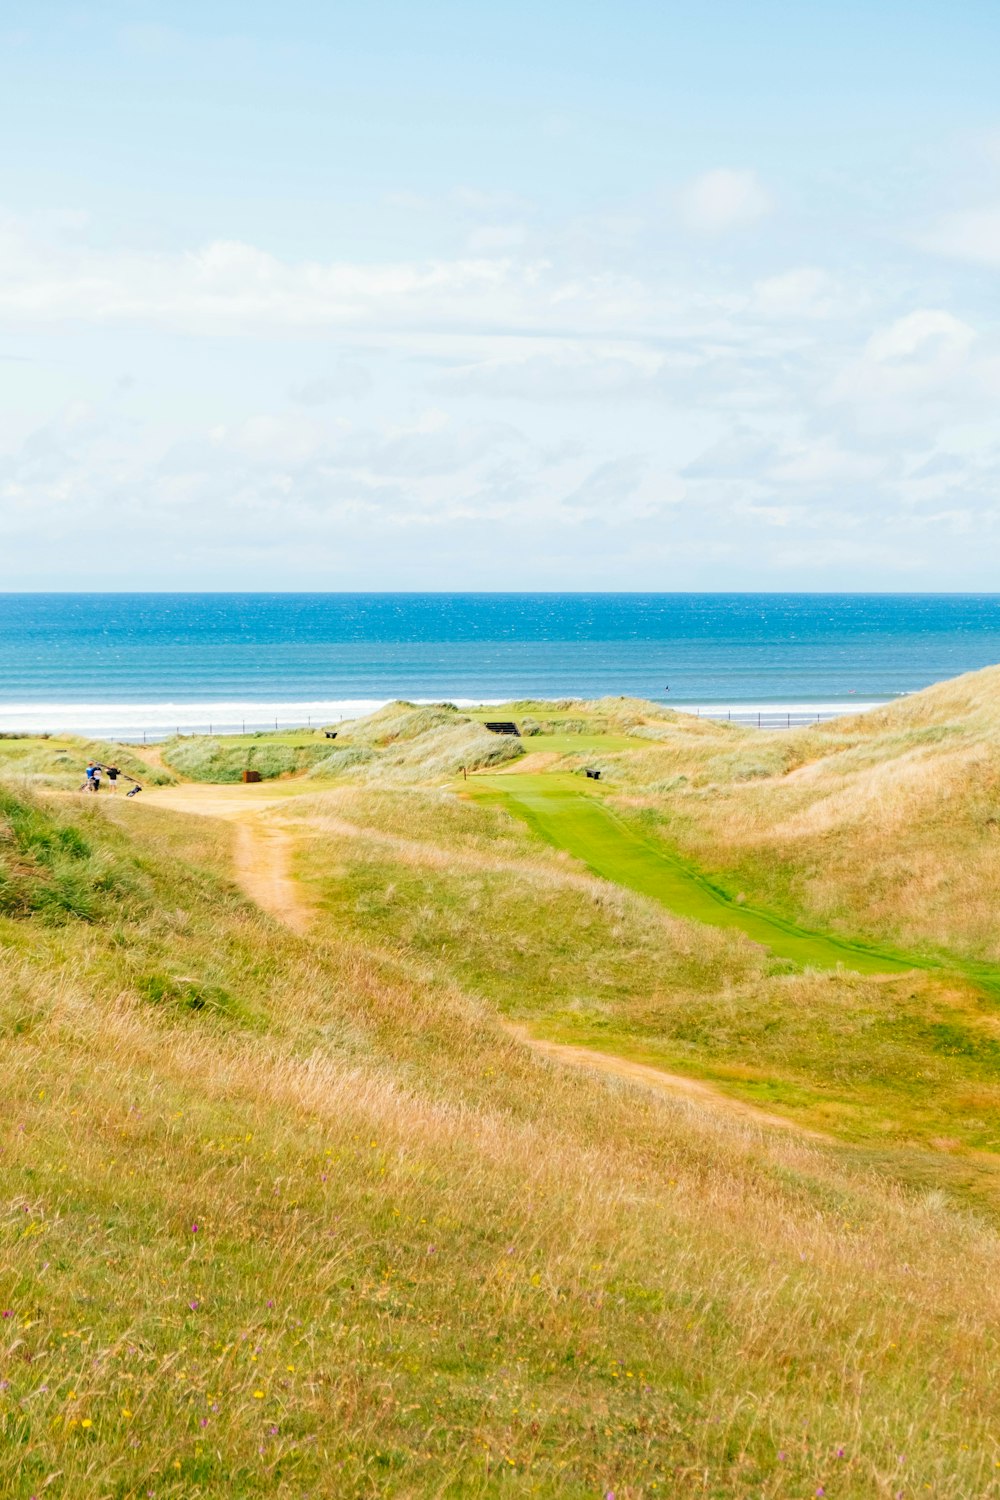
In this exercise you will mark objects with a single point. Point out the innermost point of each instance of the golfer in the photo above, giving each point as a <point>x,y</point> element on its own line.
<point>112,777</point>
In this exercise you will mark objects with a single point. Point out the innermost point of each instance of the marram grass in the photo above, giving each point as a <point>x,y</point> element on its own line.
<point>296,1215</point>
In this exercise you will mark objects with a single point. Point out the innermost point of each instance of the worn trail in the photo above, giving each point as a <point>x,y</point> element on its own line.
<point>676,1085</point>
<point>263,850</point>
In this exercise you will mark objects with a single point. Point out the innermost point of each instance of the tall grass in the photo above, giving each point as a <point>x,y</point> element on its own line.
<point>882,826</point>
<point>286,1215</point>
<point>59,761</point>
<point>203,758</point>
<point>357,1241</point>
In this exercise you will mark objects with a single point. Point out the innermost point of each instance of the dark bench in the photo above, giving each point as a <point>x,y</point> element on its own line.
<point>503,726</point>
<point>594,775</point>
<point>331,734</point>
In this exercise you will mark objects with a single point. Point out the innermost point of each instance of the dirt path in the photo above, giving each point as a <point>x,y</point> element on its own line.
<point>151,756</point>
<point>674,1084</point>
<point>263,850</point>
<point>263,869</point>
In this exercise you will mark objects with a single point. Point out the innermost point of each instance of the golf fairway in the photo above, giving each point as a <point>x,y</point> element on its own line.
<point>584,825</point>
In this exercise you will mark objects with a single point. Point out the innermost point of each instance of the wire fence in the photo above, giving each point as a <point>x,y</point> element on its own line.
<point>765,718</point>
<point>756,718</point>
<point>237,726</point>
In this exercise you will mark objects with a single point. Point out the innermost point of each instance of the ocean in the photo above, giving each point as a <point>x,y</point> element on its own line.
<point>124,665</point>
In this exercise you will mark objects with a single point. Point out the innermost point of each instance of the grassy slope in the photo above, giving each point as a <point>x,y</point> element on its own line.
<point>885,826</point>
<point>298,1217</point>
<point>400,742</point>
<point>59,760</point>
<point>908,1059</point>
<point>426,1262</point>
<point>586,825</point>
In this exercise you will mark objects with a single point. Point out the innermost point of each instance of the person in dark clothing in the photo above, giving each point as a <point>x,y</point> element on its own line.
<point>112,775</point>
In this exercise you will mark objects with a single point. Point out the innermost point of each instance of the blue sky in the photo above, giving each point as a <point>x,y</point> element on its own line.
<point>673,295</point>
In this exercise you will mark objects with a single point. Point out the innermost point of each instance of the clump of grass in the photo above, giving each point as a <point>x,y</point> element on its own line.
<point>403,742</point>
<point>346,759</point>
<point>201,758</point>
<point>399,721</point>
<point>48,867</point>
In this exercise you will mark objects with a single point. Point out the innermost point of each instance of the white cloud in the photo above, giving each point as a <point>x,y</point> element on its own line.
<point>554,370</point>
<point>806,292</point>
<point>929,333</point>
<point>920,374</point>
<point>971,236</point>
<point>347,379</point>
<point>676,401</point>
<point>723,200</point>
<point>493,237</point>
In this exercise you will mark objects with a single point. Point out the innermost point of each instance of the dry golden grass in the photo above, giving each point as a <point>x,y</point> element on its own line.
<point>293,1214</point>
<point>885,825</point>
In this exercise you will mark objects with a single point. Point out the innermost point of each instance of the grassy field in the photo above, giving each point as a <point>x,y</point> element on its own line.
<point>586,826</point>
<point>884,826</point>
<point>300,1214</point>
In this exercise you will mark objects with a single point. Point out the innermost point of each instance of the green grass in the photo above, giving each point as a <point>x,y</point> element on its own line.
<point>587,828</point>
<point>346,1238</point>
<point>223,759</point>
<point>581,744</point>
<point>474,894</point>
<point>60,761</point>
<point>286,1216</point>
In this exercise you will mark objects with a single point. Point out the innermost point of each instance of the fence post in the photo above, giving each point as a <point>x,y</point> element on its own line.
<point>758,719</point>
<point>789,725</point>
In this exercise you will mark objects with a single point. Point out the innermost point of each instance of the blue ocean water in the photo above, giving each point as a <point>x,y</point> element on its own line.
<point>121,663</point>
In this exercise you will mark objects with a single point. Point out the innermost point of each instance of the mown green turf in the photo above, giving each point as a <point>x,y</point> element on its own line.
<point>563,814</point>
<point>583,744</point>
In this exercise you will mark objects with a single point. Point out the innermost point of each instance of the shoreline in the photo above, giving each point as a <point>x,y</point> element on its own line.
<point>156,721</point>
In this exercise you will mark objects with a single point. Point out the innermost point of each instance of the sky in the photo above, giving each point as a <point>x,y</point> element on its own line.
<point>686,294</point>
